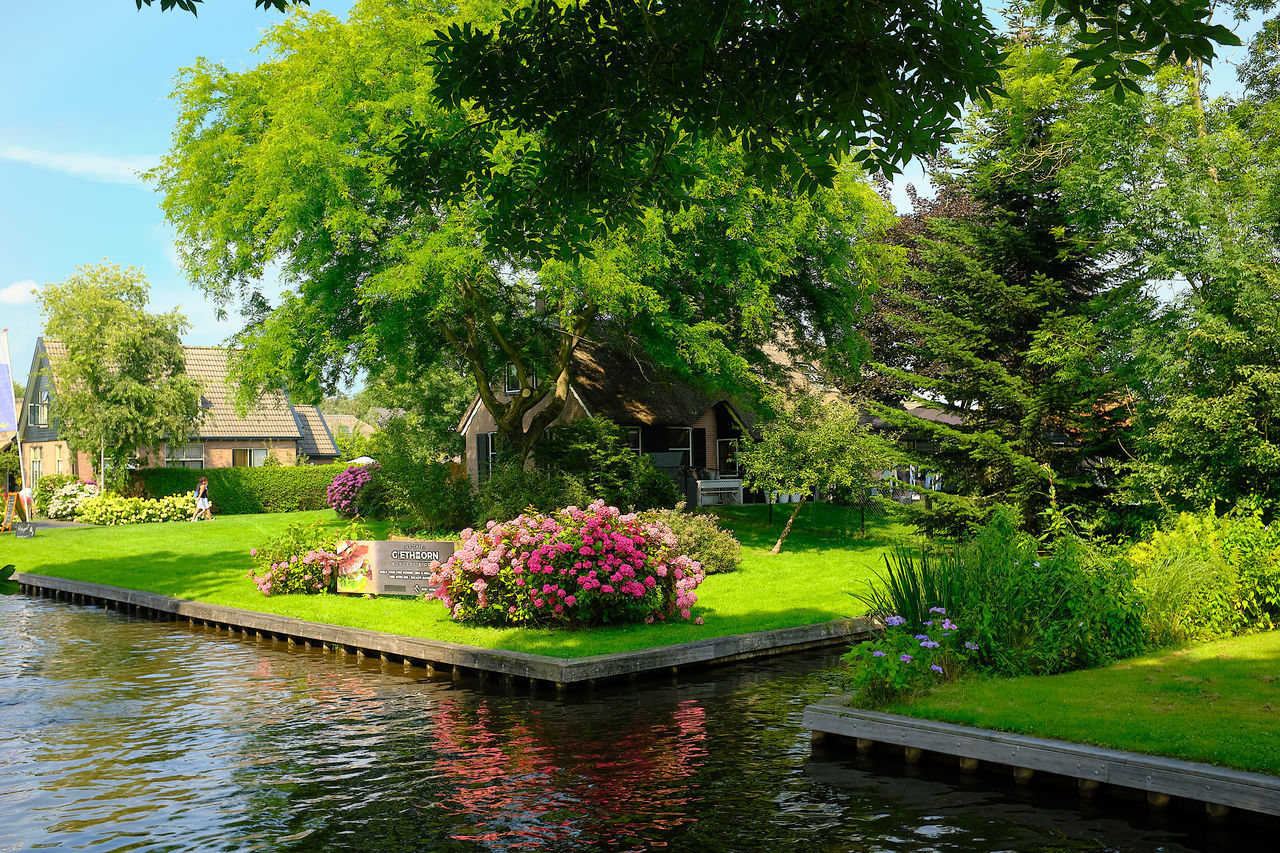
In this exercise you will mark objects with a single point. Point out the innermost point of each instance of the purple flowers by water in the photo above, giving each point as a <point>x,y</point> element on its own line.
<point>895,621</point>
<point>906,658</point>
<point>973,647</point>
<point>935,668</point>
<point>878,653</point>
<point>939,610</point>
<point>928,644</point>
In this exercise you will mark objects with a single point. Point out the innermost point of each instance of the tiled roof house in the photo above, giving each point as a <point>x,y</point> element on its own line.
<point>272,425</point>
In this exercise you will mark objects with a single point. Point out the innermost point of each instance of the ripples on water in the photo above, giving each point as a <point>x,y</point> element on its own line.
<point>118,733</point>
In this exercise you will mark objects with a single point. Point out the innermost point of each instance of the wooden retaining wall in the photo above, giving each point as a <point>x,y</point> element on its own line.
<point>453,657</point>
<point>1094,768</point>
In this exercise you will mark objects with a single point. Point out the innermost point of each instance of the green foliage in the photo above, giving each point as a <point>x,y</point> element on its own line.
<point>416,488</point>
<point>47,487</point>
<point>8,586</point>
<point>9,467</point>
<point>812,444</point>
<point>511,489</point>
<point>383,207</point>
<point>245,490</point>
<point>115,509</point>
<point>620,91</point>
<point>301,560</point>
<point>915,581</point>
<point>121,384</point>
<point>1207,576</point>
<point>1030,609</point>
<point>700,537</point>
<point>591,452</point>
<point>904,661</point>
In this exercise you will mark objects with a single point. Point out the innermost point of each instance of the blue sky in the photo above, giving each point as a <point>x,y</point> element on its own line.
<point>84,107</point>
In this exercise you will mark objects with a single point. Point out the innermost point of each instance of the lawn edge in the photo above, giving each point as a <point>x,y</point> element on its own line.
<point>429,652</point>
<point>1092,765</point>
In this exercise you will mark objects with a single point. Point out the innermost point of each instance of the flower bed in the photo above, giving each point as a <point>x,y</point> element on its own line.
<point>302,560</point>
<point>904,661</point>
<point>114,509</point>
<point>67,500</point>
<point>572,568</point>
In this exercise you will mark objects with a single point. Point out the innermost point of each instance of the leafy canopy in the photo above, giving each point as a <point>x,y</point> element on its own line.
<point>393,264</point>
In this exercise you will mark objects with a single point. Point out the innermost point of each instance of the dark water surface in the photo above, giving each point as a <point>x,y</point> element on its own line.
<point>119,733</point>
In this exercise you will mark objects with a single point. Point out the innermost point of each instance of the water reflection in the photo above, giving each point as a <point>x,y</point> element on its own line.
<point>125,734</point>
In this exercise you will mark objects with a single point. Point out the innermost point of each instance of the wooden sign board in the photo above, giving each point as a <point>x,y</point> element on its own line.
<point>389,568</point>
<point>10,502</point>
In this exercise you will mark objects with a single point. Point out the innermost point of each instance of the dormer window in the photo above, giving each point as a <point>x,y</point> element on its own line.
<point>39,415</point>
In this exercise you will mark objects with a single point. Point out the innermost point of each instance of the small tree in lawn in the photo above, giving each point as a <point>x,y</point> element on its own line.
<point>812,443</point>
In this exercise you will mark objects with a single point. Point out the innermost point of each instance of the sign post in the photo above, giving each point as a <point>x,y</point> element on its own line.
<point>389,568</point>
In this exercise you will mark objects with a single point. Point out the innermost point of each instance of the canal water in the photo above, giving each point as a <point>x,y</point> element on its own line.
<point>119,733</point>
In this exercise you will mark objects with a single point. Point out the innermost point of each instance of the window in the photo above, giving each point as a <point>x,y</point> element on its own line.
<point>40,410</point>
<point>37,465</point>
<point>185,456</point>
<point>511,380</point>
<point>726,453</point>
<point>631,437</point>
<point>486,453</point>
<point>57,459</point>
<point>681,438</point>
<point>253,457</point>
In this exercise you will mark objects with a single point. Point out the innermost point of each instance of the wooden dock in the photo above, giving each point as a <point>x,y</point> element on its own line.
<point>1094,768</point>
<point>458,659</point>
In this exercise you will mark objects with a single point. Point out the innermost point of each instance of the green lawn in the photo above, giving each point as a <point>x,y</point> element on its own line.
<point>1217,703</point>
<point>823,560</point>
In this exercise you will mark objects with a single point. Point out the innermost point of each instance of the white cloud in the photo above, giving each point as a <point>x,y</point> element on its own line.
<point>18,293</point>
<point>94,167</point>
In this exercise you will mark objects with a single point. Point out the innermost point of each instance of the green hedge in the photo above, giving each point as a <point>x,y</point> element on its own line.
<point>239,491</point>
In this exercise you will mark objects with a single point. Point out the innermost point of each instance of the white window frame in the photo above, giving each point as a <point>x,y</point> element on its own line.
<point>40,409</point>
<point>251,453</point>
<point>181,455</point>
<point>37,466</point>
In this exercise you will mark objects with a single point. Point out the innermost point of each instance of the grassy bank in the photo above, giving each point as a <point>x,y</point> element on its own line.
<point>807,583</point>
<point>1217,703</point>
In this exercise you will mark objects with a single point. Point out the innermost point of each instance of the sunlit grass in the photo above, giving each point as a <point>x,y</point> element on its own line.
<point>1217,703</point>
<point>825,558</point>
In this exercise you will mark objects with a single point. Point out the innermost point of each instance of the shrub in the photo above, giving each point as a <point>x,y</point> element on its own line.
<point>437,496</point>
<point>575,567</point>
<point>905,661</point>
<point>47,487</point>
<point>238,491</point>
<point>114,509</point>
<point>302,560</point>
<point>1207,576</point>
<point>1032,610</point>
<point>66,501</point>
<point>511,489</point>
<point>356,491</point>
<point>592,453</point>
<point>700,537</point>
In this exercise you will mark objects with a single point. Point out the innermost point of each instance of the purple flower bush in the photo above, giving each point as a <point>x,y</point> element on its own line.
<point>899,663</point>
<point>346,491</point>
<point>576,567</point>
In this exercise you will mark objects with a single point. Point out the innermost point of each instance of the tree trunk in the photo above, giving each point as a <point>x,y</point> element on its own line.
<point>777,546</point>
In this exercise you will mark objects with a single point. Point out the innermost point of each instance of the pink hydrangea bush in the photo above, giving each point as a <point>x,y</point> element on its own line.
<point>302,560</point>
<point>575,567</point>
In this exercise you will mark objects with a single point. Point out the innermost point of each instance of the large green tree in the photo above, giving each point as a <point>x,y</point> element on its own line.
<point>301,167</point>
<point>121,384</point>
<point>1001,323</point>
<point>619,92</point>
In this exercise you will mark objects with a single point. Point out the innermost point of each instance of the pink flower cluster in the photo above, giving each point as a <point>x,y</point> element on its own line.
<point>575,567</point>
<point>311,573</point>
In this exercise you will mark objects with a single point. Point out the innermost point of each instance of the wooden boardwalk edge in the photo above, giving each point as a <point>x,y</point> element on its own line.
<point>560,671</point>
<point>1156,775</point>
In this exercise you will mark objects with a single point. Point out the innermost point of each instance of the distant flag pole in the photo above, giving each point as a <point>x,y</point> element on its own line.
<point>8,405</point>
